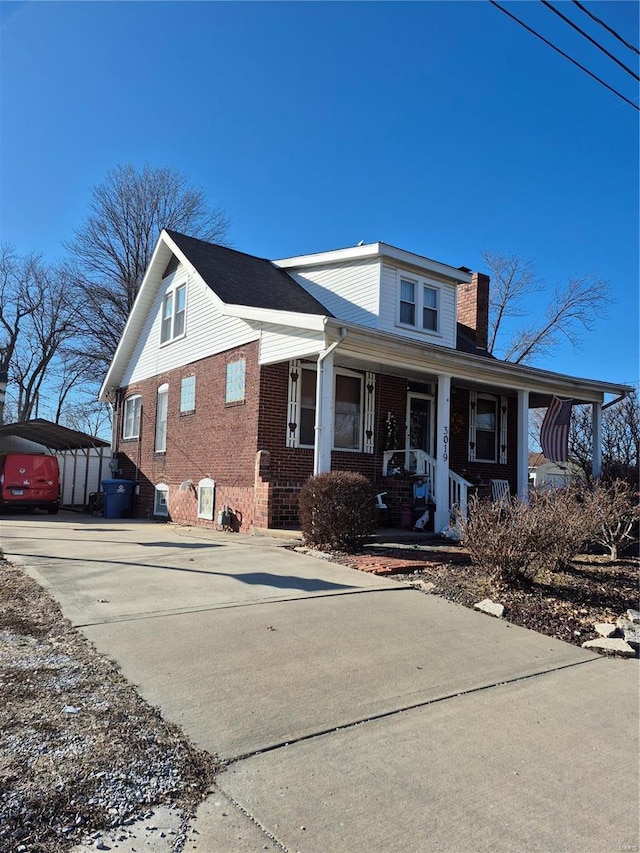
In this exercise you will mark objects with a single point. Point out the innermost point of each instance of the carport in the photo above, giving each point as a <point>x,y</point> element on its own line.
<point>83,459</point>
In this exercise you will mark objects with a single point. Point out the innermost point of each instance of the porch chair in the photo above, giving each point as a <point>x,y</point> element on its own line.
<point>500,491</point>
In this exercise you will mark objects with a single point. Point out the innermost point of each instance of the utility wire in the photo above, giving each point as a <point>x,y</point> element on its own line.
<point>588,37</point>
<point>607,27</point>
<point>566,55</point>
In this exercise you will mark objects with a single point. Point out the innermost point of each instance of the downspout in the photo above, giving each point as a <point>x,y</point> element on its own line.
<point>319,397</point>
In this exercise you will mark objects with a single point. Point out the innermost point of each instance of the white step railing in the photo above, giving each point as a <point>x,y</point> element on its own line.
<point>458,493</point>
<point>418,462</point>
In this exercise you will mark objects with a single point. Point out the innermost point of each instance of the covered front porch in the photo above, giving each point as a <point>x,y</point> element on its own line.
<point>461,420</point>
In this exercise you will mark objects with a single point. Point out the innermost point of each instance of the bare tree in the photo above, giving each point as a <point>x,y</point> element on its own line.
<point>570,310</point>
<point>112,248</point>
<point>620,440</point>
<point>88,416</point>
<point>19,300</point>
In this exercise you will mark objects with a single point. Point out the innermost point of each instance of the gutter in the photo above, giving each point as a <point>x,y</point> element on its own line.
<point>320,380</point>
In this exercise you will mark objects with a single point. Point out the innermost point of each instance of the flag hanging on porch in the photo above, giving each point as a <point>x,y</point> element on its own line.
<point>554,433</point>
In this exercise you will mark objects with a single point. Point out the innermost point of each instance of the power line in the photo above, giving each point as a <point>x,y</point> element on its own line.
<point>588,37</point>
<point>566,55</point>
<point>607,27</point>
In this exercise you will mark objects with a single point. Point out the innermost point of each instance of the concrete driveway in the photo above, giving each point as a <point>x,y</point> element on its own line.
<point>355,714</point>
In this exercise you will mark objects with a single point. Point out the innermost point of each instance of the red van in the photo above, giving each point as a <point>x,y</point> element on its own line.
<point>29,481</point>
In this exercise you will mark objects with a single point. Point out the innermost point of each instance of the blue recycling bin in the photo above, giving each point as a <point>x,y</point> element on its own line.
<point>118,498</point>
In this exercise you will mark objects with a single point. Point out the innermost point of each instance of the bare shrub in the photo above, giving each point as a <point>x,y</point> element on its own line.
<point>337,510</point>
<point>518,542</point>
<point>616,515</point>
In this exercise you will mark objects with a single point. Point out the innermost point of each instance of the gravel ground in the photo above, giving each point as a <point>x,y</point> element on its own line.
<point>80,752</point>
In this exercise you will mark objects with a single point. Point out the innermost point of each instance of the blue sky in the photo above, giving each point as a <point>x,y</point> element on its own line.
<point>440,127</point>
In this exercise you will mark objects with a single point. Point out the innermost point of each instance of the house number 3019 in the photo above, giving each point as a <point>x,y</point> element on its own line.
<point>445,444</point>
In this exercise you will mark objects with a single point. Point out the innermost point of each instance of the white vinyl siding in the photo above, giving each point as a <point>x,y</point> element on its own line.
<point>350,291</point>
<point>391,309</point>
<point>280,344</point>
<point>210,333</point>
<point>131,417</point>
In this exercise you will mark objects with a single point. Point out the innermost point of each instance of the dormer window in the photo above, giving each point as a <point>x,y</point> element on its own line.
<point>173,314</point>
<point>418,304</point>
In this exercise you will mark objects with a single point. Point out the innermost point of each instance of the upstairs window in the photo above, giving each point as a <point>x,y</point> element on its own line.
<point>131,417</point>
<point>418,304</point>
<point>174,305</point>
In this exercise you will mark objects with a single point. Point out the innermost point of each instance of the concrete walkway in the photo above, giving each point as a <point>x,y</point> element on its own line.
<point>355,714</point>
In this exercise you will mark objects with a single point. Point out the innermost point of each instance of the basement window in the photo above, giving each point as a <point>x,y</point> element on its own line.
<point>161,500</point>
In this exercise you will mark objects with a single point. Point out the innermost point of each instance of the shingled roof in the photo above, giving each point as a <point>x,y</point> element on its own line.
<point>240,279</point>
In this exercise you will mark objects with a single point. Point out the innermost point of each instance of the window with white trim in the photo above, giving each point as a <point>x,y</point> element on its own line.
<point>162,409</point>
<point>131,417</point>
<point>235,381</point>
<point>174,309</point>
<point>206,492</point>
<point>161,499</point>
<point>188,394</point>
<point>348,409</point>
<point>418,303</point>
<point>487,428</point>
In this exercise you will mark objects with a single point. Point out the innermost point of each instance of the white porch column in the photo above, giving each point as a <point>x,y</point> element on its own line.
<point>523,445</point>
<point>596,420</point>
<point>441,485</point>
<point>324,414</point>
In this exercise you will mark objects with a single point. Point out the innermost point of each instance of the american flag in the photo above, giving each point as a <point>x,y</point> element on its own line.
<point>554,433</point>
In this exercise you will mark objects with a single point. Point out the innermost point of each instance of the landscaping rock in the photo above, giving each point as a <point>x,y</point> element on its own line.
<point>610,646</point>
<point>490,608</point>
<point>605,629</point>
<point>629,626</point>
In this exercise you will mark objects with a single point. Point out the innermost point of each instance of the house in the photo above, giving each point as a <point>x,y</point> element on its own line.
<point>543,473</point>
<point>236,378</point>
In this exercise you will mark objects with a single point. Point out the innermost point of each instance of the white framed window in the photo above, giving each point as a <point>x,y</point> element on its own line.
<point>487,428</point>
<point>206,494</point>
<point>161,499</point>
<point>162,409</point>
<point>174,309</point>
<point>348,409</point>
<point>188,394</point>
<point>131,417</point>
<point>418,303</point>
<point>235,381</point>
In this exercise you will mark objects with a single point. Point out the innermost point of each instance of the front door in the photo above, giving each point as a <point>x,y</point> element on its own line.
<point>419,435</point>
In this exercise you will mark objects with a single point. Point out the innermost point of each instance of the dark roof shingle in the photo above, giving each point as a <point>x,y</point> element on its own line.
<point>240,279</point>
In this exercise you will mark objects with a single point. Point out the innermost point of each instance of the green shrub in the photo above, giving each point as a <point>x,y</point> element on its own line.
<point>337,510</point>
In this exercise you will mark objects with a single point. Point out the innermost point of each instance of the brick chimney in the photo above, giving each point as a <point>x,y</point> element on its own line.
<point>473,308</point>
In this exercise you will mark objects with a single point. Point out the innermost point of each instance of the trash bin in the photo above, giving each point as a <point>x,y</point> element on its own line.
<point>118,498</point>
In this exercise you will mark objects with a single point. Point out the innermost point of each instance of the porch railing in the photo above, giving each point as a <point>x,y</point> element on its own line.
<point>458,493</point>
<point>419,462</point>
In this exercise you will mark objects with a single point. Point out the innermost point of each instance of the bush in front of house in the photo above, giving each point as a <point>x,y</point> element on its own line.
<point>517,542</point>
<point>337,510</point>
<point>616,514</point>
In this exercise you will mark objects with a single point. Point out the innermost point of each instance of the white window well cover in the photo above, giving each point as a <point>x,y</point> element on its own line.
<point>206,495</point>
<point>161,500</point>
